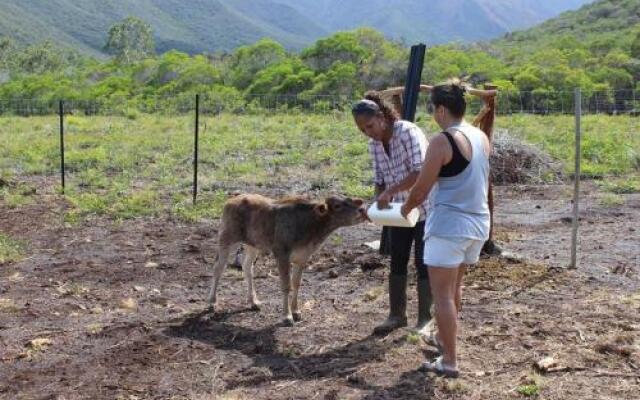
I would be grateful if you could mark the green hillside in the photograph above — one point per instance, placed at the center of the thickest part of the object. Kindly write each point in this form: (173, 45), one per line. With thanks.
(596, 48)
(200, 25)
(597, 27)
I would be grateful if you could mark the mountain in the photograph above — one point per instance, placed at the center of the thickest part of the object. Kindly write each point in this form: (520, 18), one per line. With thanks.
(193, 26)
(600, 27)
(433, 22)
(215, 25)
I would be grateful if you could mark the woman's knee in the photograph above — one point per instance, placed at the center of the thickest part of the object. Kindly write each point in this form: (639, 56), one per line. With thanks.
(442, 290)
(445, 306)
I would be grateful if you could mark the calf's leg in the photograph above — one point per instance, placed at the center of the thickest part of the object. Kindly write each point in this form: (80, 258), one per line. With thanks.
(250, 255)
(223, 256)
(296, 278)
(284, 267)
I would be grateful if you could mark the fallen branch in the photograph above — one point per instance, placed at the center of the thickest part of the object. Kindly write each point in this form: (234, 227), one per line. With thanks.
(596, 373)
(536, 282)
(601, 373)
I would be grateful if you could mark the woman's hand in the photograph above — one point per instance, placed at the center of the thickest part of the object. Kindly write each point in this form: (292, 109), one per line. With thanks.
(404, 210)
(384, 199)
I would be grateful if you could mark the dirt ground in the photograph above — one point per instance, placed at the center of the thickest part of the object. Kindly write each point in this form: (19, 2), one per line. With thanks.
(108, 310)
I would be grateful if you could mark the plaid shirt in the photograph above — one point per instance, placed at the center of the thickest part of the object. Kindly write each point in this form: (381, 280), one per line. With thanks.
(407, 149)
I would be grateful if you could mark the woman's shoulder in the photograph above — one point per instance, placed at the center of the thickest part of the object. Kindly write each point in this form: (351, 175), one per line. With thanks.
(403, 127)
(467, 127)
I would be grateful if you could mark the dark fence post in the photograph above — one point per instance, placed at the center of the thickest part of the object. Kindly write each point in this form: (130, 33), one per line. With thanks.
(61, 113)
(576, 180)
(410, 103)
(412, 85)
(195, 150)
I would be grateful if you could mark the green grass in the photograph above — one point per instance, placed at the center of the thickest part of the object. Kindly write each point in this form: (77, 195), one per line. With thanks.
(531, 385)
(611, 200)
(625, 185)
(528, 390)
(11, 250)
(610, 144)
(413, 338)
(208, 206)
(126, 167)
(15, 195)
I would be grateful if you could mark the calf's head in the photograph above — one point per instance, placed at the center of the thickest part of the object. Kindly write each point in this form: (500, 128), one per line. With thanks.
(342, 211)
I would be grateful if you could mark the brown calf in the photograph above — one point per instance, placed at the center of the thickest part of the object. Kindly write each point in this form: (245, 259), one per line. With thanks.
(291, 229)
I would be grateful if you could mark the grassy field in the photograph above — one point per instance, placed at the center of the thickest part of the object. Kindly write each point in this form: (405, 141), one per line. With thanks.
(142, 165)
(113, 307)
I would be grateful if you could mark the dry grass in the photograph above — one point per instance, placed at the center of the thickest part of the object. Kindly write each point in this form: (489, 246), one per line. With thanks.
(9, 306)
(129, 304)
(374, 293)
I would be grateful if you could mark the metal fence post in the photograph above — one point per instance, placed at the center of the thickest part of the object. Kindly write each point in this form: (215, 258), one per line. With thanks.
(576, 179)
(61, 114)
(195, 150)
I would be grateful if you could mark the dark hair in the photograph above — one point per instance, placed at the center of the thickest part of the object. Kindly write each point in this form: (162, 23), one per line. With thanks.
(450, 95)
(365, 107)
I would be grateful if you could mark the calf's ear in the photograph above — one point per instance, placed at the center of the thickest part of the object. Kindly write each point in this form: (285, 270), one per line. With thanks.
(358, 202)
(321, 209)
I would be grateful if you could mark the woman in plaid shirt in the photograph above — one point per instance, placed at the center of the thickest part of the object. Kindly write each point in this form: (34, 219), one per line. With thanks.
(398, 150)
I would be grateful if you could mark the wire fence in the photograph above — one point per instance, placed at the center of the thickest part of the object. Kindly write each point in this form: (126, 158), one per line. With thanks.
(131, 157)
(614, 102)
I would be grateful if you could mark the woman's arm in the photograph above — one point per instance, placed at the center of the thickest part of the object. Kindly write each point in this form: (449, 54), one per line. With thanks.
(407, 183)
(414, 143)
(427, 88)
(435, 159)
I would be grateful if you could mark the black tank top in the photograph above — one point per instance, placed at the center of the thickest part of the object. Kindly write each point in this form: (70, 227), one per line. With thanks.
(457, 164)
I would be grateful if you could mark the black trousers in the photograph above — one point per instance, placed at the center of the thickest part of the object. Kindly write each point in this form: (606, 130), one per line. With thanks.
(401, 241)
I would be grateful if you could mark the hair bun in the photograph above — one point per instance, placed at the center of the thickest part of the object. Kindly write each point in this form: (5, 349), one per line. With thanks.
(451, 95)
(458, 86)
(373, 96)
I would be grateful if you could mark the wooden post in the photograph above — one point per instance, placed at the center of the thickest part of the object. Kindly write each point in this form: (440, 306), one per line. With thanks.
(195, 150)
(61, 113)
(486, 125)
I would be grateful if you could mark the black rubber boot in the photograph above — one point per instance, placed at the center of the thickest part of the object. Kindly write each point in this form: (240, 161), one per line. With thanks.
(397, 306)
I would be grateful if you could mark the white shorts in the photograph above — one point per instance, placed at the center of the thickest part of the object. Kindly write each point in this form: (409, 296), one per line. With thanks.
(450, 252)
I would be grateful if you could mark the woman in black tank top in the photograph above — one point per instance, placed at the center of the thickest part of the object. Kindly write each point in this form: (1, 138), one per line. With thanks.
(446, 277)
(457, 164)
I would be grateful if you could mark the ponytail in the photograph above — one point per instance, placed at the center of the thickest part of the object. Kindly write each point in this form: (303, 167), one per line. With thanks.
(390, 114)
(450, 95)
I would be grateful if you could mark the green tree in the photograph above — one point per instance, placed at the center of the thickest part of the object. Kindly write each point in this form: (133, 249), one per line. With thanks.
(343, 47)
(635, 47)
(178, 72)
(288, 77)
(528, 78)
(341, 79)
(40, 58)
(617, 59)
(444, 62)
(7, 52)
(386, 64)
(247, 61)
(616, 78)
(130, 40)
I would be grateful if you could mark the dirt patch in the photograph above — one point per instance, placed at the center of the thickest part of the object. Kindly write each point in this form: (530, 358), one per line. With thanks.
(112, 310)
